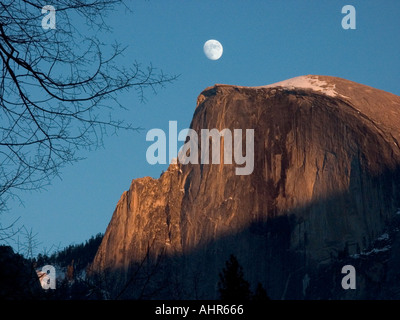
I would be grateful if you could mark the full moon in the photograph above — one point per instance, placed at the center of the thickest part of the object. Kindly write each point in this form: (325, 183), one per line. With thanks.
(213, 49)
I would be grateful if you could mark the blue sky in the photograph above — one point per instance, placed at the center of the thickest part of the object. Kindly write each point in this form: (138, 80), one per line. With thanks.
(264, 42)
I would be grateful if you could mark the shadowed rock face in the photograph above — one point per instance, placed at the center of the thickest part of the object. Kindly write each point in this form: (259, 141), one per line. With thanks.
(326, 180)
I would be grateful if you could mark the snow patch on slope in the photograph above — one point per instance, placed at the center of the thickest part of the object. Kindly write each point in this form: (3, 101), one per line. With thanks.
(307, 82)
(373, 251)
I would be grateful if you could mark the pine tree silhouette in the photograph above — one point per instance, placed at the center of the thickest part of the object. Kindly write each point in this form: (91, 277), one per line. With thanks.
(260, 294)
(232, 285)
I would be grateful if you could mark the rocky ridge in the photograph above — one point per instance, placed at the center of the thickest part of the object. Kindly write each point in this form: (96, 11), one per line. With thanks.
(325, 182)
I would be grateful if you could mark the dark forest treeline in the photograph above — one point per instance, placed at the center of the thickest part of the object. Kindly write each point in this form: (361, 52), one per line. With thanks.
(80, 255)
(19, 281)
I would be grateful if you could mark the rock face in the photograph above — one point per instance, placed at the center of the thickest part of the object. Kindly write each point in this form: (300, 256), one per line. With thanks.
(325, 185)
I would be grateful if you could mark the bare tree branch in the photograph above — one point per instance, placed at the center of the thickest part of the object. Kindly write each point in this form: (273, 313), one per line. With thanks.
(7, 233)
(55, 86)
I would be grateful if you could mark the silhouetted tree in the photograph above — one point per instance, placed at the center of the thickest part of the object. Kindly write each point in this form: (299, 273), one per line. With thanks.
(232, 285)
(260, 294)
(28, 244)
(58, 87)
